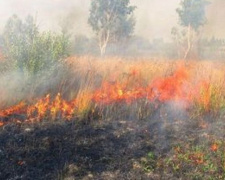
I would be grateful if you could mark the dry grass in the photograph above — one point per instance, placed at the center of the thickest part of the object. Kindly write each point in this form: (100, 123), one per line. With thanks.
(82, 77)
(118, 69)
(121, 139)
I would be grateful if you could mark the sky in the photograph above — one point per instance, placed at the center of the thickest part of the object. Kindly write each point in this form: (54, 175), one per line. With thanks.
(154, 18)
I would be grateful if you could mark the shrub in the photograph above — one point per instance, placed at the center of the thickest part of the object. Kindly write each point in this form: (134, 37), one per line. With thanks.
(30, 51)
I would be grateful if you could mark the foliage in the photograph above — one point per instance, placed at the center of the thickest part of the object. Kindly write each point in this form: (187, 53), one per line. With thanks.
(29, 50)
(192, 17)
(212, 48)
(192, 12)
(111, 20)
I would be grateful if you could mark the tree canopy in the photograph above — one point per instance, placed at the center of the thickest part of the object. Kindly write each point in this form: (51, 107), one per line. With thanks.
(192, 12)
(192, 17)
(111, 20)
(29, 50)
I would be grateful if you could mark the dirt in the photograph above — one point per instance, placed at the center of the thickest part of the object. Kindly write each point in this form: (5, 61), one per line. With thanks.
(106, 149)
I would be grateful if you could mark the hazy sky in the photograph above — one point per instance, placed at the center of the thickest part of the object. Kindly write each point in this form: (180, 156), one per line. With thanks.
(154, 18)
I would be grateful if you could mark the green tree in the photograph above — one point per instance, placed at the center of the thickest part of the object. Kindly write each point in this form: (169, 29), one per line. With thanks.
(30, 51)
(192, 16)
(111, 20)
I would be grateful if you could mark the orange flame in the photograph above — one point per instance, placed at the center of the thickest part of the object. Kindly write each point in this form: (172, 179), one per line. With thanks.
(45, 107)
(17, 109)
(214, 147)
(41, 107)
(173, 88)
(176, 87)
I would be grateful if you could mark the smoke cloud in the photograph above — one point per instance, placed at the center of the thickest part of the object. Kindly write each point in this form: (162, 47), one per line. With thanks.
(154, 19)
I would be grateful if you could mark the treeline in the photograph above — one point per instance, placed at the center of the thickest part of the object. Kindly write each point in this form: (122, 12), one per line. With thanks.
(213, 48)
(27, 49)
(206, 48)
(135, 46)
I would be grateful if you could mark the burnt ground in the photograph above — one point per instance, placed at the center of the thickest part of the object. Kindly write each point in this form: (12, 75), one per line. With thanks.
(106, 149)
(70, 150)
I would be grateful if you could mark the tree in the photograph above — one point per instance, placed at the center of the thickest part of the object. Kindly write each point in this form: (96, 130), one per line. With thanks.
(111, 20)
(30, 51)
(192, 16)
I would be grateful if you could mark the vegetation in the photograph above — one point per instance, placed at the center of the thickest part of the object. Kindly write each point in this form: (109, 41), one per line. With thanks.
(111, 20)
(78, 116)
(30, 51)
(192, 16)
(166, 137)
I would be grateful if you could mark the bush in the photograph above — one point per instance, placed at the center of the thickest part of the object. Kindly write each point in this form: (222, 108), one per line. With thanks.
(30, 51)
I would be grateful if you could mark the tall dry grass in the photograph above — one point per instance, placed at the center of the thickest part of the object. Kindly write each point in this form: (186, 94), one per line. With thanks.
(93, 71)
(81, 76)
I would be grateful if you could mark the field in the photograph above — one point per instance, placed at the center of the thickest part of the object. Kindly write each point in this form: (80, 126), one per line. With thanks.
(115, 118)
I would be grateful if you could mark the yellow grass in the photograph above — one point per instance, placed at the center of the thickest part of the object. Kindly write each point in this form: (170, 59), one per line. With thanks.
(88, 73)
(115, 68)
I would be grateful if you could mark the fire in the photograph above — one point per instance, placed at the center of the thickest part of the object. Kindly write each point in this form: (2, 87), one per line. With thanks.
(17, 109)
(214, 147)
(176, 87)
(55, 106)
(53, 109)
(41, 107)
(111, 93)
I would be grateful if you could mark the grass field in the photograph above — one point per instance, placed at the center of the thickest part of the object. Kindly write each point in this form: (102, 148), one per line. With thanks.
(115, 118)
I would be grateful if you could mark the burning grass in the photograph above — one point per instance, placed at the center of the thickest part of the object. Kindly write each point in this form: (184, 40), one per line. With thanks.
(176, 107)
(122, 87)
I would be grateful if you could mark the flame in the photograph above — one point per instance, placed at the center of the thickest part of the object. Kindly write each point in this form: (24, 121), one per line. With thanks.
(214, 147)
(172, 88)
(68, 109)
(40, 107)
(56, 108)
(17, 109)
(176, 87)
(111, 93)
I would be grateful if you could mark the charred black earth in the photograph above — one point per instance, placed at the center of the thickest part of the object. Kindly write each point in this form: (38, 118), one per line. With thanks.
(106, 149)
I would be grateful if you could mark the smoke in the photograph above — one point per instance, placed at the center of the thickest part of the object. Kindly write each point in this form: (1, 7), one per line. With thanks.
(215, 23)
(163, 120)
(154, 19)
(12, 87)
(16, 86)
(50, 14)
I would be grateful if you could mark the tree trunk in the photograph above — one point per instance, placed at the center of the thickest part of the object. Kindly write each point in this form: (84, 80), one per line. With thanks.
(188, 42)
(102, 50)
(103, 41)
